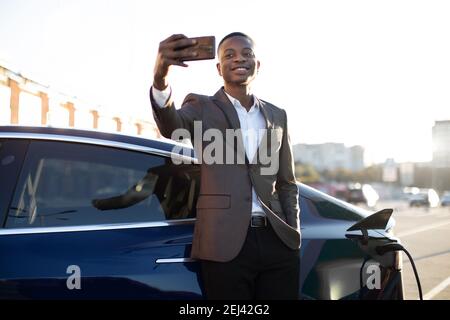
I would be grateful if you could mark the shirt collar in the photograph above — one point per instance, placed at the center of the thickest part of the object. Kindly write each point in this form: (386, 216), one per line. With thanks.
(238, 106)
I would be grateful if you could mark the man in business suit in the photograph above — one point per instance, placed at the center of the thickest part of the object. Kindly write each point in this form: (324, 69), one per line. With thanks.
(247, 233)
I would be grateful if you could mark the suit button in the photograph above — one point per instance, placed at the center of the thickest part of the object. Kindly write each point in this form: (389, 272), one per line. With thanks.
(248, 199)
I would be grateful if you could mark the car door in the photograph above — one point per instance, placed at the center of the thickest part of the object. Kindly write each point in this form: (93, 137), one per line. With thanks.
(93, 221)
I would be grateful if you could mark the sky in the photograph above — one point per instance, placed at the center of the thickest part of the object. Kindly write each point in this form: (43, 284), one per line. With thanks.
(370, 73)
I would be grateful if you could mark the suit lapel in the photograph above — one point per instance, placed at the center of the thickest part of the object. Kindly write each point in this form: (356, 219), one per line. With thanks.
(221, 100)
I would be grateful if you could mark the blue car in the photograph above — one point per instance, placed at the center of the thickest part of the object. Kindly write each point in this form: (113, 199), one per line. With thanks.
(92, 215)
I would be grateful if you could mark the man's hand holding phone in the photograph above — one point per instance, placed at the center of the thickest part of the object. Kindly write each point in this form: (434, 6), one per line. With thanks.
(177, 49)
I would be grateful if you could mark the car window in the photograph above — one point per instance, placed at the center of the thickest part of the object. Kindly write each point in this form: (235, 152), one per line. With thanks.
(12, 152)
(70, 184)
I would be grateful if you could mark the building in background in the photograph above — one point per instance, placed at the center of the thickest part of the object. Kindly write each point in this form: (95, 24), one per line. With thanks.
(441, 144)
(441, 155)
(330, 156)
(24, 101)
(406, 172)
(390, 169)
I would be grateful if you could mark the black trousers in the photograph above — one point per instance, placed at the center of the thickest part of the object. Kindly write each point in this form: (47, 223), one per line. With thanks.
(265, 269)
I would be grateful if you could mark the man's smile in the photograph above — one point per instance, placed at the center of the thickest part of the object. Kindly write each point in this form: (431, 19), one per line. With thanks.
(241, 68)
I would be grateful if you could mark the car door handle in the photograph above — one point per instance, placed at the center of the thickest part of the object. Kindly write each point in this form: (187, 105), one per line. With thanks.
(175, 260)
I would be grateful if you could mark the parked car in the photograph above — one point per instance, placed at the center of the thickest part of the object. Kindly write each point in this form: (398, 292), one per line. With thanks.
(91, 215)
(362, 194)
(424, 198)
(445, 199)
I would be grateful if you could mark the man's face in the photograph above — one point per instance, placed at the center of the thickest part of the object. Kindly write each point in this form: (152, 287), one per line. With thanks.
(237, 62)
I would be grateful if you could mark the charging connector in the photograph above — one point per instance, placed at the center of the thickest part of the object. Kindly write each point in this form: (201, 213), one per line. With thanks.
(395, 246)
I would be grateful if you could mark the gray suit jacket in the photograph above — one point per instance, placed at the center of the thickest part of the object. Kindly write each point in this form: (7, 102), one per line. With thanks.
(225, 200)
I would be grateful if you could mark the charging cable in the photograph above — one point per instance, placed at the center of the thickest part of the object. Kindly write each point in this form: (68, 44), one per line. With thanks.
(394, 246)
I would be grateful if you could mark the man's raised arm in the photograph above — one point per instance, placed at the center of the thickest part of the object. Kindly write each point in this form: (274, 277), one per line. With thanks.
(171, 52)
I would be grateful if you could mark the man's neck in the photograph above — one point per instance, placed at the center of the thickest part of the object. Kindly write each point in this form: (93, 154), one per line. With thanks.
(241, 93)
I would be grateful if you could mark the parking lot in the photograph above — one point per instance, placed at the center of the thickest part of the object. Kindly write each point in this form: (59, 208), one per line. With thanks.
(425, 233)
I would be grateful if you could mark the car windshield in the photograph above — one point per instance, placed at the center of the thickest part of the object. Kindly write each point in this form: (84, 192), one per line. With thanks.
(333, 208)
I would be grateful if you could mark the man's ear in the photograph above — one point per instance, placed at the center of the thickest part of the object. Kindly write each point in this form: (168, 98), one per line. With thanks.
(258, 64)
(218, 68)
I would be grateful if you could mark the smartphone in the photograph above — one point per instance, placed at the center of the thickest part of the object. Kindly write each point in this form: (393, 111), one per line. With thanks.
(205, 47)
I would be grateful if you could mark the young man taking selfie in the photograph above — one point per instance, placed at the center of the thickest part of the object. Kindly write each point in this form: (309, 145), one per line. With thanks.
(247, 231)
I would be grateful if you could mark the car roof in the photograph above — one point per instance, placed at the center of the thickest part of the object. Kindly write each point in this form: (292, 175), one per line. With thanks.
(108, 139)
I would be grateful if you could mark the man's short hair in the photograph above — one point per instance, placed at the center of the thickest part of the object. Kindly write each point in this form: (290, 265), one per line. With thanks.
(235, 34)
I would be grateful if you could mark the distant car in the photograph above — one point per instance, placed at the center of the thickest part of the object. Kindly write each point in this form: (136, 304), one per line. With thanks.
(91, 215)
(424, 198)
(445, 199)
(364, 194)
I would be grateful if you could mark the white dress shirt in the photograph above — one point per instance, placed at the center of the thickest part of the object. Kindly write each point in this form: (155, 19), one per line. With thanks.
(252, 124)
